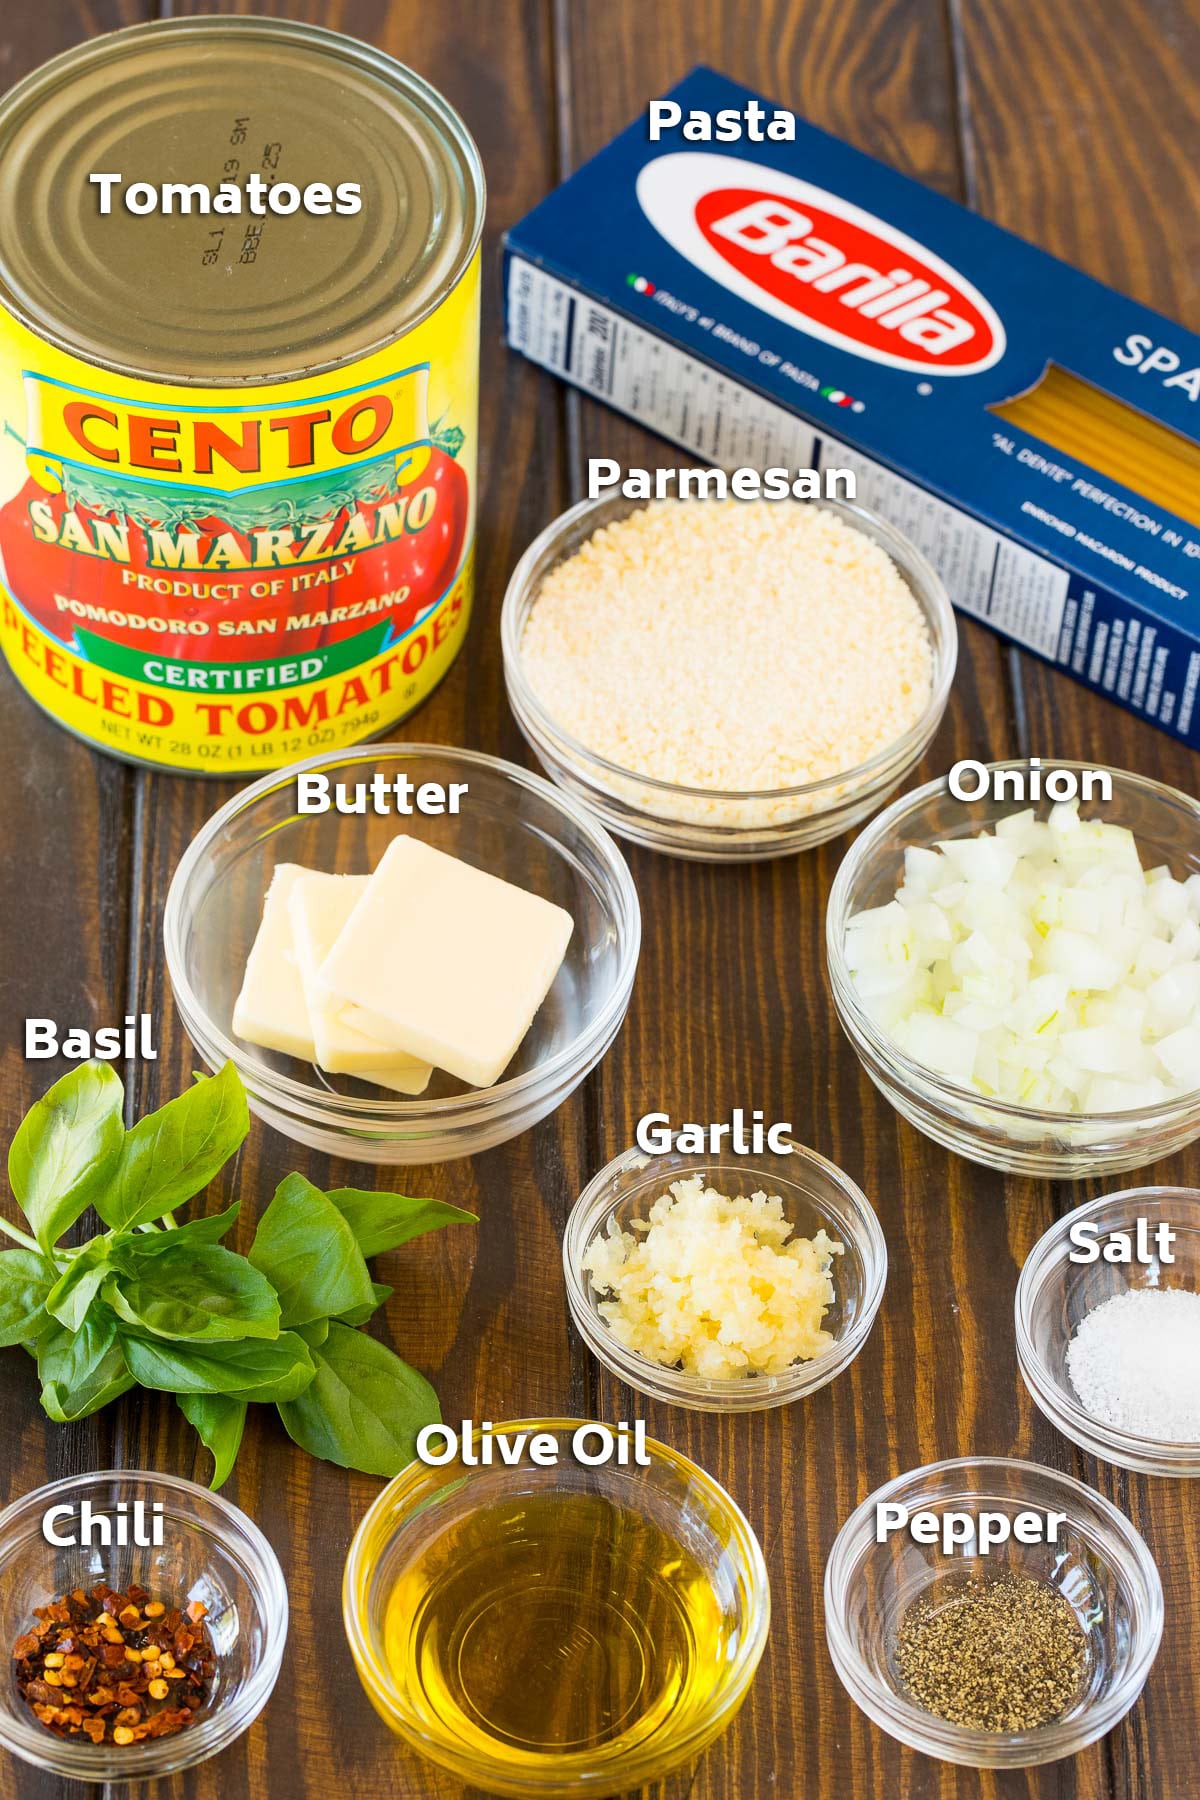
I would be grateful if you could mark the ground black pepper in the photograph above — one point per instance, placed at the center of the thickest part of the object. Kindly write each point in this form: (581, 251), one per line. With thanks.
(1005, 1653)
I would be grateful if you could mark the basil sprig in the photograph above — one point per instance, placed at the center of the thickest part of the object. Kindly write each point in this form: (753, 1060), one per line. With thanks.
(165, 1305)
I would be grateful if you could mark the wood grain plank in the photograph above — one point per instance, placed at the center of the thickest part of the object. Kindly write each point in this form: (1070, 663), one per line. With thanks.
(1101, 169)
(64, 897)
(1093, 151)
(473, 1308)
(731, 1005)
(938, 1376)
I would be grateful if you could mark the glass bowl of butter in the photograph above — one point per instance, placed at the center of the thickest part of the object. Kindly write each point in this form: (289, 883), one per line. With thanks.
(410, 952)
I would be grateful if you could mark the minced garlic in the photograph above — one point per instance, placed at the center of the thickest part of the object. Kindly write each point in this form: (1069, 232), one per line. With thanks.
(715, 1285)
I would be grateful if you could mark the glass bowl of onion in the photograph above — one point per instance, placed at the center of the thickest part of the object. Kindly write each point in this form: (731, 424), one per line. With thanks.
(1021, 980)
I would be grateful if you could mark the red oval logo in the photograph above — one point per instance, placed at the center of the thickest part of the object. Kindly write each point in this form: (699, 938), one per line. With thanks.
(844, 278)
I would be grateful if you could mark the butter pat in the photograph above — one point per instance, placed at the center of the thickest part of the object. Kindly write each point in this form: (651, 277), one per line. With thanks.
(446, 961)
(270, 1009)
(319, 906)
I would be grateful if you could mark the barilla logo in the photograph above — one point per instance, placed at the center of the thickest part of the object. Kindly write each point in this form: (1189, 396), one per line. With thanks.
(820, 264)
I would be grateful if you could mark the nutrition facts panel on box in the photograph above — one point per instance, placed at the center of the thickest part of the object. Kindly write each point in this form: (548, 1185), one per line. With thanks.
(663, 388)
(987, 575)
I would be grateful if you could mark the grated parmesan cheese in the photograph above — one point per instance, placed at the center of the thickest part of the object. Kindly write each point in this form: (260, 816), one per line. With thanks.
(715, 1285)
(730, 645)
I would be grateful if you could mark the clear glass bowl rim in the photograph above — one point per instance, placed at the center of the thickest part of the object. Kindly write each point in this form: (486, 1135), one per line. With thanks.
(161, 1756)
(933, 598)
(923, 1730)
(388, 1508)
(859, 1025)
(727, 1392)
(466, 1108)
(1040, 1267)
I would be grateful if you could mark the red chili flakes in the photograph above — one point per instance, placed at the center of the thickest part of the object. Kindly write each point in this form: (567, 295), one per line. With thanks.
(83, 1673)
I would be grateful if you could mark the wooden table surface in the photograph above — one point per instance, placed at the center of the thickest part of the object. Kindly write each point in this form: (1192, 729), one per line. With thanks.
(1077, 126)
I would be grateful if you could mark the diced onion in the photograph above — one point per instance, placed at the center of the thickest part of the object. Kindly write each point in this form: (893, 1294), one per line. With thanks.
(1039, 964)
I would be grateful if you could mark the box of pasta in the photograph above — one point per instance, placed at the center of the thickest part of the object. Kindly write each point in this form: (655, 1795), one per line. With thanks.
(765, 295)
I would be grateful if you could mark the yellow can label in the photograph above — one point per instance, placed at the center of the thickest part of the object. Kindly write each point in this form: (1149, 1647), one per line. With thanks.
(221, 581)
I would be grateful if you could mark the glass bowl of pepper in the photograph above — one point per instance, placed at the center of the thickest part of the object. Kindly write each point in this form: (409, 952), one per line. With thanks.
(992, 1613)
(134, 1659)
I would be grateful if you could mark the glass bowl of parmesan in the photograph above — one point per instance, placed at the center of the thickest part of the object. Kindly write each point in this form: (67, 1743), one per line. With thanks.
(724, 1283)
(723, 679)
(1108, 1328)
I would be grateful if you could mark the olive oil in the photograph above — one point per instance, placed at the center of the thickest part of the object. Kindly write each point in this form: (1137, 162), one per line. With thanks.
(552, 1628)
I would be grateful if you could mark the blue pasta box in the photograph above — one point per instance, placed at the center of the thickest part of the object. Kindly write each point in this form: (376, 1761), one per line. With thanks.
(765, 295)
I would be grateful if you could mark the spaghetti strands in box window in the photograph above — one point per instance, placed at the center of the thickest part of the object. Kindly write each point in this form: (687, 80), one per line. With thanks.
(774, 298)
(238, 390)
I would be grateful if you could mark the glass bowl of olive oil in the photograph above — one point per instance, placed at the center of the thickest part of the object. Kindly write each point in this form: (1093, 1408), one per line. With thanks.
(545, 1628)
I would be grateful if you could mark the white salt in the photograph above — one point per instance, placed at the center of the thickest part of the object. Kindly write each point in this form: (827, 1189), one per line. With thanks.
(1134, 1362)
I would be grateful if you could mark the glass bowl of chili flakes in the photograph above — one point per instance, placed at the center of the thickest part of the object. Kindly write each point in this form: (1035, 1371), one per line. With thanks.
(131, 1661)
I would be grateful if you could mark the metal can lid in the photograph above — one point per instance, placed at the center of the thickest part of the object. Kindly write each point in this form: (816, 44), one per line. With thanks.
(231, 299)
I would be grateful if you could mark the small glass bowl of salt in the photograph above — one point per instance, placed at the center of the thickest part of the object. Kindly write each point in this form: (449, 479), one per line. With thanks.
(1110, 1349)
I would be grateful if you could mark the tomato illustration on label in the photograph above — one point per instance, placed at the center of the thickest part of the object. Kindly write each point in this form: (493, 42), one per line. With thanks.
(33, 569)
(422, 563)
(268, 575)
(221, 579)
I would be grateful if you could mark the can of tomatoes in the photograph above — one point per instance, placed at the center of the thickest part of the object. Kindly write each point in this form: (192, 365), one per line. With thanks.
(239, 366)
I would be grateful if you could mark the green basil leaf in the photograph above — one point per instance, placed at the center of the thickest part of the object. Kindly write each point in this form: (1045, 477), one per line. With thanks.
(358, 1315)
(67, 1407)
(308, 1253)
(220, 1422)
(72, 1294)
(67, 1356)
(198, 1291)
(252, 1369)
(25, 1280)
(363, 1408)
(66, 1149)
(83, 1370)
(43, 1330)
(130, 1246)
(383, 1221)
(171, 1154)
(314, 1333)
